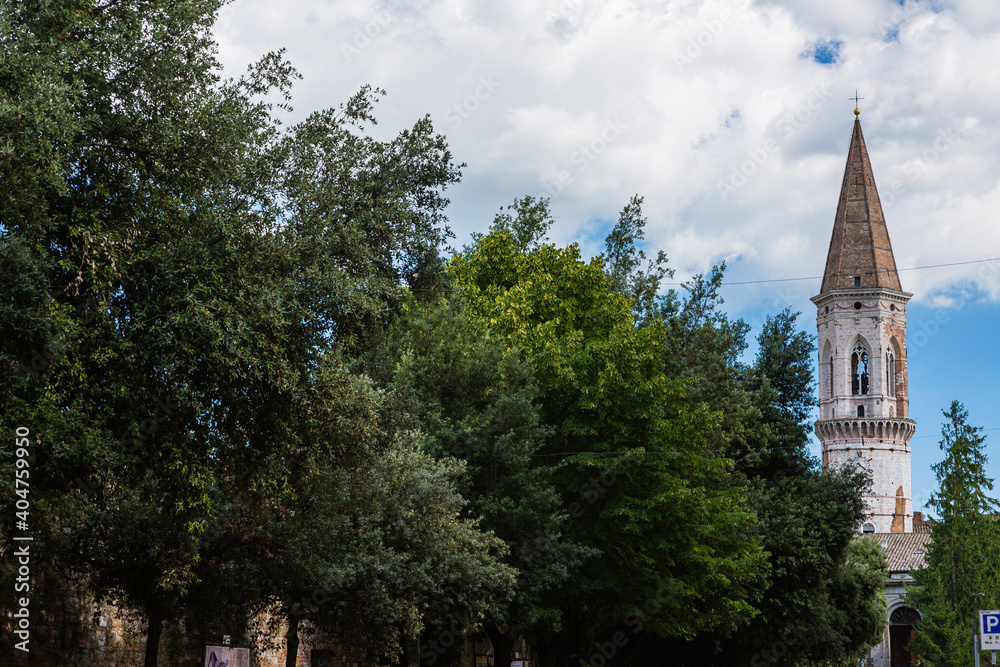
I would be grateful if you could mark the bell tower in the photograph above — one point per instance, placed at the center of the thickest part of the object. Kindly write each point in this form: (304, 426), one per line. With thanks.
(861, 319)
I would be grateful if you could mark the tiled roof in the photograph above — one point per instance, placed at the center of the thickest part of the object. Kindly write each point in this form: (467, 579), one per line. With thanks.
(920, 524)
(904, 551)
(860, 246)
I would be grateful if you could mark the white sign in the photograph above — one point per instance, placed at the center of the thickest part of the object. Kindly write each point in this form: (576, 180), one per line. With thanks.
(989, 630)
(226, 656)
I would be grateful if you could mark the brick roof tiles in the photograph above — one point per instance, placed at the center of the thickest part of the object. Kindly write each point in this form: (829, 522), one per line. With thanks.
(904, 551)
(860, 244)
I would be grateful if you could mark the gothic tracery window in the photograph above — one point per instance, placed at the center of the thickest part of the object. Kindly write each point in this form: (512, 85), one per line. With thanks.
(859, 371)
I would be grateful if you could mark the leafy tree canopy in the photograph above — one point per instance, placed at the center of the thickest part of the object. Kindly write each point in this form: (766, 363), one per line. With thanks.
(640, 483)
(186, 280)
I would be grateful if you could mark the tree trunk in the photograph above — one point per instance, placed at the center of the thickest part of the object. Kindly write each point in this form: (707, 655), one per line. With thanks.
(412, 652)
(503, 645)
(634, 647)
(954, 582)
(292, 641)
(153, 632)
(552, 654)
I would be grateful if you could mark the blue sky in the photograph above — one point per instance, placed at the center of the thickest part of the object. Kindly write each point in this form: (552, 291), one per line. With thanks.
(960, 362)
(731, 118)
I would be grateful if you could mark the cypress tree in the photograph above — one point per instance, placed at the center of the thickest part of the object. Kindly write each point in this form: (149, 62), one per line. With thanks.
(964, 548)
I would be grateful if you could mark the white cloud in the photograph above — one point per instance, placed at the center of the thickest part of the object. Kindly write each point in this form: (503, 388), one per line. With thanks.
(700, 92)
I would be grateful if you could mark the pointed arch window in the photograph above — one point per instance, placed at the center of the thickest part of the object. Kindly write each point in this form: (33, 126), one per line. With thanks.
(890, 373)
(859, 371)
(831, 377)
(826, 369)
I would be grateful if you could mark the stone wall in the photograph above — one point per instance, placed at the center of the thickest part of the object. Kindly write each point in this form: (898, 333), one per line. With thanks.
(77, 632)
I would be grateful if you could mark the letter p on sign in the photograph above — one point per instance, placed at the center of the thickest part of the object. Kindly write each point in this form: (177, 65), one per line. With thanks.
(989, 630)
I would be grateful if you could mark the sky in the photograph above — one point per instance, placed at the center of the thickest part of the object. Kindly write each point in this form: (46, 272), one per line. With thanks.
(730, 117)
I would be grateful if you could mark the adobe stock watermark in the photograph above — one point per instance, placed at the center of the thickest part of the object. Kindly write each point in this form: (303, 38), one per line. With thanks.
(434, 648)
(712, 29)
(364, 35)
(592, 490)
(603, 653)
(584, 156)
(918, 165)
(42, 360)
(902, 11)
(779, 648)
(459, 112)
(310, 603)
(133, 440)
(566, 10)
(22, 512)
(786, 126)
(928, 328)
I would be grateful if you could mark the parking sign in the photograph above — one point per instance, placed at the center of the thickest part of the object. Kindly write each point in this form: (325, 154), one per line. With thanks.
(989, 630)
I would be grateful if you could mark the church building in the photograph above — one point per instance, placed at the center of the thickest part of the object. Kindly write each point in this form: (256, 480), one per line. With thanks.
(863, 404)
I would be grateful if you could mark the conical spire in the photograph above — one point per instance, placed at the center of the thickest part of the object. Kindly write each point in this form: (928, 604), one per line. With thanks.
(860, 252)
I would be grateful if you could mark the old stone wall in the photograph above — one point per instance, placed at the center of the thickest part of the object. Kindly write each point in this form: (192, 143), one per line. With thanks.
(77, 632)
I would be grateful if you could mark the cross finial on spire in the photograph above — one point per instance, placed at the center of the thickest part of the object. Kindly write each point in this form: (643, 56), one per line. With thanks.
(857, 107)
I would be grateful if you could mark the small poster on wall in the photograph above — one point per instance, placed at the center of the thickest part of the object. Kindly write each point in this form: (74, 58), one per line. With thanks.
(226, 656)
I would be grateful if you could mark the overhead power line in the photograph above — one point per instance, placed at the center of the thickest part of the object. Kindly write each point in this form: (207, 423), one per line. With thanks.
(718, 452)
(762, 281)
(938, 436)
(910, 268)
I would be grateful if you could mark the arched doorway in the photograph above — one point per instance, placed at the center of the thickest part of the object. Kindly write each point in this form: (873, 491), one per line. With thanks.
(902, 621)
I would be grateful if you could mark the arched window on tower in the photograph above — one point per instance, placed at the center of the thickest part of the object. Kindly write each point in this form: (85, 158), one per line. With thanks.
(826, 369)
(831, 377)
(890, 373)
(859, 371)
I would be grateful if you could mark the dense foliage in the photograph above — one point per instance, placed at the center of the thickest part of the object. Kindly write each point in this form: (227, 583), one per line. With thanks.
(636, 473)
(251, 377)
(185, 280)
(964, 548)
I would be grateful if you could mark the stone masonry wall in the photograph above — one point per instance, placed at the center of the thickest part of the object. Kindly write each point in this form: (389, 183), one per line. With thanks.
(77, 632)
(879, 439)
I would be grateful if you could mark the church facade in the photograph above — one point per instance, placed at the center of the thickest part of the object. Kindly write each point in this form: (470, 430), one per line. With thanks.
(864, 408)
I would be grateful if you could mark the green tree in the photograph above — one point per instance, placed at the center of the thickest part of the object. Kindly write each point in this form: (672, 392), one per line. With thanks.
(188, 279)
(527, 221)
(964, 548)
(817, 602)
(806, 520)
(474, 400)
(639, 481)
(623, 263)
(784, 357)
(858, 601)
